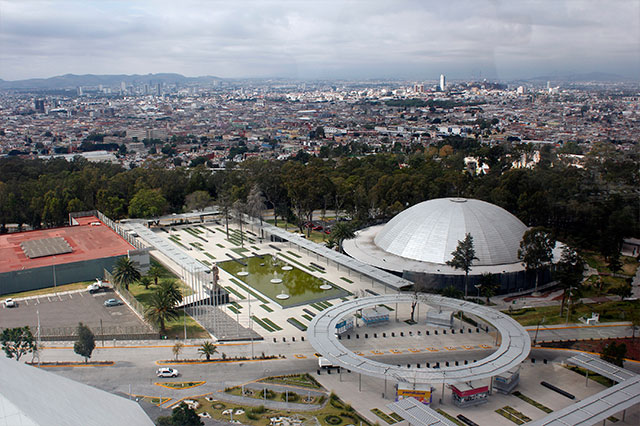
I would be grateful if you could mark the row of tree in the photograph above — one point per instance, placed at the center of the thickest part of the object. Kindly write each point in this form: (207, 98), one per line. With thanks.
(594, 206)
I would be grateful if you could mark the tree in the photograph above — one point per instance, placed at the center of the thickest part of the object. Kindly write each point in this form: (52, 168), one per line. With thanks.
(463, 257)
(569, 271)
(182, 415)
(488, 286)
(240, 208)
(225, 203)
(177, 349)
(86, 342)
(615, 264)
(17, 342)
(155, 272)
(147, 203)
(171, 289)
(342, 231)
(125, 272)
(623, 291)
(614, 353)
(162, 307)
(536, 250)
(452, 292)
(207, 349)
(255, 202)
(198, 200)
(145, 281)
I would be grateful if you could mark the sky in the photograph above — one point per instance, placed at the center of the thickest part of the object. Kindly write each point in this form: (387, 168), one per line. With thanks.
(367, 39)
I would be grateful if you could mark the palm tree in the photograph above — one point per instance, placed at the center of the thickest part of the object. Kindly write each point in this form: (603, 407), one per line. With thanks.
(161, 308)
(145, 281)
(125, 272)
(207, 349)
(177, 348)
(171, 290)
(488, 286)
(155, 272)
(342, 231)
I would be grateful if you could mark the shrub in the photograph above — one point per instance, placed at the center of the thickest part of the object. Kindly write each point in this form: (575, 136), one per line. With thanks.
(333, 420)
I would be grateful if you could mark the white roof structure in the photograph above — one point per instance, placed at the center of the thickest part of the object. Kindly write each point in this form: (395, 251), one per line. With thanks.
(30, 396)
(514, 347)
(418, 414)
(603, 368)
(422, 237)
(430, 231)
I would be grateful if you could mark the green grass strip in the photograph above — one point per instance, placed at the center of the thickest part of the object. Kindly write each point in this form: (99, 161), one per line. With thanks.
(239, 250)
(296, 323)
(248, 290)
(236, 293)
(196, 246)
(378, 412)
(509, 416)
(396, 416)
(219, 245)
(294, 254)
(307, 317)
(317, 307)
(266, 308)
(237, 305)
(209, 255)
(346, 279)
(262, 323)
(532, 402)
(272, 324)
(255, 248)
(450, 417)
(206, 262)
(233, 309)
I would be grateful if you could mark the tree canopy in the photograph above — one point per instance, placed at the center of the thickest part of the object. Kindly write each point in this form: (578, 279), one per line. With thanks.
(463, 257)
(86, 342)
(17, 342)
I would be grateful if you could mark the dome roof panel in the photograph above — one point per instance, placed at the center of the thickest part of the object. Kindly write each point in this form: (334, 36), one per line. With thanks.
(430, 231)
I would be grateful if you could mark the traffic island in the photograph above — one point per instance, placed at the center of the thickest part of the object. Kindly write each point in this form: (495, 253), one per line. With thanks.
(72, 364)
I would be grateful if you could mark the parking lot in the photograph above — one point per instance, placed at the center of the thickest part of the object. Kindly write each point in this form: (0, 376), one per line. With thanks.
(64, 311)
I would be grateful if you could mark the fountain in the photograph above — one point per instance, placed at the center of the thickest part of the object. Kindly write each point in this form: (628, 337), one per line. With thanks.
(326, 286)
(287, 268)
(282, 296)
(275, 279)
(243, 273)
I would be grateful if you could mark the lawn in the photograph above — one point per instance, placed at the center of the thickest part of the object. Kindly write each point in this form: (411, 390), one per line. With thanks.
(334, 413)
(175, 327)
(301, 287)
(49, 290)
(597, 261)
(609, 312)
(316, 236)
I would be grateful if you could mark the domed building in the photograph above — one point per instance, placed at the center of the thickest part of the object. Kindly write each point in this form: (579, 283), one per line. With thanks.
(419, 241)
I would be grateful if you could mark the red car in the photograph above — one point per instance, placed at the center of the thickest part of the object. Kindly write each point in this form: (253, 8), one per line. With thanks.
(317, 228)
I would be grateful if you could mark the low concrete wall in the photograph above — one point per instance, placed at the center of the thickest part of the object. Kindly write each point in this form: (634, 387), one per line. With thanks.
(37, 278)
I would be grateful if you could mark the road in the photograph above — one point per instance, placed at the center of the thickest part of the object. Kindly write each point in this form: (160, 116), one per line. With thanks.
(135, 362)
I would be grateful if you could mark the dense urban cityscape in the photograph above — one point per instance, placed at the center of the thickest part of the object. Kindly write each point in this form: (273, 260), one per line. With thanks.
(303, 213)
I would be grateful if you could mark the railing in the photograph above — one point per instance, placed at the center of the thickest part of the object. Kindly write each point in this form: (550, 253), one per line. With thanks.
(131, 300)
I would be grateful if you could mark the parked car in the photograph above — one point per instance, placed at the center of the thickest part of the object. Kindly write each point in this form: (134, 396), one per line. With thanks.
(317, 228)
(10, 303)
(167, 372)
(112, 302)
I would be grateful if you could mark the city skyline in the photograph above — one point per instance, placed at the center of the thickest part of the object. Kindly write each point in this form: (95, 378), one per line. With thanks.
(320, 40)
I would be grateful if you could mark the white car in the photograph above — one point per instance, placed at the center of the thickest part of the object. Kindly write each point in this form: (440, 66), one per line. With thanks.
(167, 372)
(10, 303)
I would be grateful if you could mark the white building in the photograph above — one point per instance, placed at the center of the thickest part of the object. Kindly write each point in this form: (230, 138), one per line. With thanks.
(443, 82)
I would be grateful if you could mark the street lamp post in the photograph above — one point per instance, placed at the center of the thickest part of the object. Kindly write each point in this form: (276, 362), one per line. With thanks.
(535, 338)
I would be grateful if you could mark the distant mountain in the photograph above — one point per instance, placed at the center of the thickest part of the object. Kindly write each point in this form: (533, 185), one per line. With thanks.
(71, 81)
(592, 76)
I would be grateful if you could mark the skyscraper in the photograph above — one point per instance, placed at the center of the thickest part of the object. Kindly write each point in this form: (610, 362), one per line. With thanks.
(443, 82)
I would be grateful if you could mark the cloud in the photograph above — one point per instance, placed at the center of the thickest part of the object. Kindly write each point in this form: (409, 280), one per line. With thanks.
(318, 39)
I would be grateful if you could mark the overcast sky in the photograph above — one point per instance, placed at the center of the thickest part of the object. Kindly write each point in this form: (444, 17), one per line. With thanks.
(502, 39)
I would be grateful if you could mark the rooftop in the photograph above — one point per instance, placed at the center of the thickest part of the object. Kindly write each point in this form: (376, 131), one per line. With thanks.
(90, 239)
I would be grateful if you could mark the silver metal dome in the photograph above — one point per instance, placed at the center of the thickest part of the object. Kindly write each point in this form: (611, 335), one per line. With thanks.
(430, 231)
